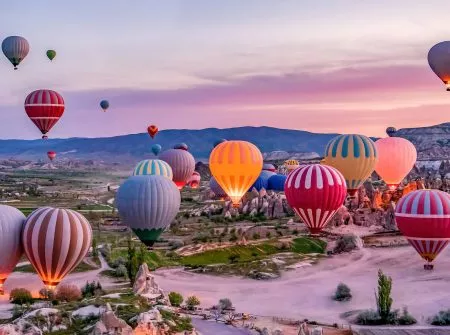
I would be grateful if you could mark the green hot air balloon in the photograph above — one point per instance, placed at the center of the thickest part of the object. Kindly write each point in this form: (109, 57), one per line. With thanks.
(51, 54)
(148, 204)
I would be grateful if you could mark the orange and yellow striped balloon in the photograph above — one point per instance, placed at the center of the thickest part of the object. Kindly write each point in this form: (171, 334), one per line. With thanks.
(235, 165)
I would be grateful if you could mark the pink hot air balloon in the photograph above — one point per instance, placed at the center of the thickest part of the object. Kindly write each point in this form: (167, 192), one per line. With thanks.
(315, 192)
(396, 157)
(423, 217)
(194, 181)
(182, 164)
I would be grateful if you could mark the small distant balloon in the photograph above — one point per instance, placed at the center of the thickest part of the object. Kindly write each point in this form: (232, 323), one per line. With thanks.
(51, 155)
(390, 131)
(51, 54)
(152, 130)
(216, 143)
(15, 48)
(182, 146)
(439, 61)
(104, 104)
(156, 149)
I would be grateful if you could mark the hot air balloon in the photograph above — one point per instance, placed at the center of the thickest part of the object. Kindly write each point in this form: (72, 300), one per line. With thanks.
(235, 165)
(182, 164)
(396, 158)
(216, 189)
(216, 143)
(182, 146)
(439, 61)
(291, 165)
(55, 241)
(104, 104)
(148, 204)
(194, 181)
(51, 155)
(152, 130)
(15, 48)
(423, 217)
(44, 108)
(354, 156)
(269, 167)
(390, 131)
(51, 54)
(276, 182)
(262, 182)
(315, 192)
(153, 167)
(156, 149)
(11, 225)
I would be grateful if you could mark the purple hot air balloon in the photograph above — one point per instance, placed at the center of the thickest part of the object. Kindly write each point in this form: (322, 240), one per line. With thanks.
(182, 164)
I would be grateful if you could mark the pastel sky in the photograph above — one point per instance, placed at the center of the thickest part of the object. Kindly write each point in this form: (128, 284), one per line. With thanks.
(322, 66)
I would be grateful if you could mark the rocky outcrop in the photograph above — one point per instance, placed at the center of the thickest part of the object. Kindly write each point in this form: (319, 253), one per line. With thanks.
(145, 285)
(22, 327)
(110, 324)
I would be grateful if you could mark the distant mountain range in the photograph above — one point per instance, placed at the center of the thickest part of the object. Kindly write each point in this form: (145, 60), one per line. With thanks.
(432, 143)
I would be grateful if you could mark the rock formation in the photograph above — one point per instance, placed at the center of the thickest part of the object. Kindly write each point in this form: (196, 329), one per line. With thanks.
(110, 324)
(145, 284)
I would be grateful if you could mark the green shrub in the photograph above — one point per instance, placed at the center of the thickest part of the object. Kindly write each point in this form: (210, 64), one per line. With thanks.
(342, 293)
(21, 296)
(120, 271)
(234, 258)
(441, 319)
(369, 318)
(406, 318)
(192, 302)
(175, 298)
(225, 303)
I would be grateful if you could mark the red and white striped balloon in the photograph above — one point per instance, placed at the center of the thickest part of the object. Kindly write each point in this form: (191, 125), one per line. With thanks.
(423, 217)
(315, 192)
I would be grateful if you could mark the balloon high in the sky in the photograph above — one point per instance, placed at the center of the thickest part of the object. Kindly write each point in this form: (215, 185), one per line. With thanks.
(51, 54)
(354, 156)
(315, 192)
(439, 61)
(15, 48)
(104, 104)
(396, 158)
(182, 164)
(11, 225)
(235, 165)
(44, 108)
(156, 149)
(51, 155)
(55, 241)
(423, 217)
(390, 131)
(148, 204)
(194, 181)
(152, 130)
(153, 167)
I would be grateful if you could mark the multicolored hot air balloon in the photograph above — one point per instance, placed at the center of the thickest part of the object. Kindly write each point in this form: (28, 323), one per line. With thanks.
(153, 167)
(182, 164)
(315, 192)
(152, 130)
(156, 149)
(55, 241)
(291, 165)
(269, 167)
(423, 217)
(51, 155)
(11, 225)
(51, 54)
(148, 204)
(262, 182)
(104, 104)
(15, 48)
(396, 158)
(354, 156)
(439, 61)
(216, 143)
(194, 181)
(235, 165)
(44, 108)
(276, 182)
(216, 189)
(390, 131)
(182, 146)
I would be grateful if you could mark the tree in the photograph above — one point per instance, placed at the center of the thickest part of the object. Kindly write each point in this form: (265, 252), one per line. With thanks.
(68, 292)
(132, 263)
(233, 258)
(94, 247)
(383, 297)
(192, 302)
(225, 303)
(21, 296)
(343, 293)
(176, 299)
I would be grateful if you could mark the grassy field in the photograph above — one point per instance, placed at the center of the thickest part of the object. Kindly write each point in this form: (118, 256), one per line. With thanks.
(82, 267)
(248, 253)
(154, 259)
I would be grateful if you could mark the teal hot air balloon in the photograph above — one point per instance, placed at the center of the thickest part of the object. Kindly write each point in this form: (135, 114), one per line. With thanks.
(148, 204)
(153, 167)
(156, 149)
(104, 104)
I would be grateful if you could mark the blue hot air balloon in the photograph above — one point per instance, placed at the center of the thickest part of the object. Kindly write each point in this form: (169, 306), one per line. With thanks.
(15, 48)
(156, 149)
(104, 104)
(262, 181)
(276, 182)
(148, 204)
